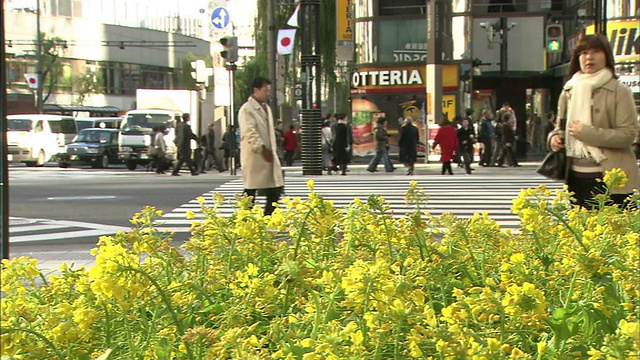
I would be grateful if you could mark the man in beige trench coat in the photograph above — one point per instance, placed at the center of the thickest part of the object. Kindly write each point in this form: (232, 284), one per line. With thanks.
(261, 169)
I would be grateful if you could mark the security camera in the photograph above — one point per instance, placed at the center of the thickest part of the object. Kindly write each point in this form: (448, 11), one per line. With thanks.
(484, 25)
(511, 25)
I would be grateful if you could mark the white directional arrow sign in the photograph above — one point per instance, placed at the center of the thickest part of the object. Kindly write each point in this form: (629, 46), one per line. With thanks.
(220, 18)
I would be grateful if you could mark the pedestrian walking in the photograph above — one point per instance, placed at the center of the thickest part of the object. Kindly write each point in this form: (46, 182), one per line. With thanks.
(290, 145)
(382, 148)
(261, 168)
(327, 147)
(210, 155)
(466, 139)
(408, 144)
(597, 122)
(487, 138)
(279, 139)
(342, 144)
(160, 149)
(447, 139)
(184, 135)
(508, 143)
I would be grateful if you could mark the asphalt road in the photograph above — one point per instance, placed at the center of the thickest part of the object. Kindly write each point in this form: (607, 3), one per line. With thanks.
(101, 196)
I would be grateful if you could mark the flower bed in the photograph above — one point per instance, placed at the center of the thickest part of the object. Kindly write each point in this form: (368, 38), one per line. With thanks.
(348, 283)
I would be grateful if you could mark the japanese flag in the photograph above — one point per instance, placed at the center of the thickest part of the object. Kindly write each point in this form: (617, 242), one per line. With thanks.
(32, 80)
(293, 20)
(285, 41)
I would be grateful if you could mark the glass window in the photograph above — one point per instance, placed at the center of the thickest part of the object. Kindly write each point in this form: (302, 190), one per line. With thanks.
(63, 126)
(461, 37)
(403, 40)
(460, 6)
(19, 124)
(363, 8)
(64, 8)
(402, 7)
(364, 42)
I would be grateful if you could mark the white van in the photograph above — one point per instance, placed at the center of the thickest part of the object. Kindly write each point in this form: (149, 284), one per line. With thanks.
(36, 138)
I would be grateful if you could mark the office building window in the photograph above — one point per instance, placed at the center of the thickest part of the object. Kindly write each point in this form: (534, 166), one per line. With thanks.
(403, 41)
(365, 52)
(363, 9)
(402, 7)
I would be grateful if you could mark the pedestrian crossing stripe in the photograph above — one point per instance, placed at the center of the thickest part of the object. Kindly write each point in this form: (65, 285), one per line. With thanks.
(24, 230)
(460, 196)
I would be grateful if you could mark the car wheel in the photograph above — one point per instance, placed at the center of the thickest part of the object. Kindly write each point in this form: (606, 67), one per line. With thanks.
(41, 159)
(30, 163)
(131, 165)
(63, 165)
(104, 161)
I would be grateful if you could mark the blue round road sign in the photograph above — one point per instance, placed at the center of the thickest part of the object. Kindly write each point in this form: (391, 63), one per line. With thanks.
(220, 18)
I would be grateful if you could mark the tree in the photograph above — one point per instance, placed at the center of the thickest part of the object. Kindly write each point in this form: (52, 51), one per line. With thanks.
(52, 67)
(327, 41)
(244, 77)
(86, 84)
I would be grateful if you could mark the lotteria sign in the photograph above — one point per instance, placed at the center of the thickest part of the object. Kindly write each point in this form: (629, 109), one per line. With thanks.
(405, 79)
(385, 80)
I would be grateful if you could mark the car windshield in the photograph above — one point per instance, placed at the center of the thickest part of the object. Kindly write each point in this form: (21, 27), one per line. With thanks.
(93, 136)
(84, 124)
(63, 126)
(19, 124)
(146, 121)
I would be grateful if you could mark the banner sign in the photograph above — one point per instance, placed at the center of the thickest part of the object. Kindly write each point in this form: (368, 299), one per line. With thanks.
(344, 31)
(624, 36)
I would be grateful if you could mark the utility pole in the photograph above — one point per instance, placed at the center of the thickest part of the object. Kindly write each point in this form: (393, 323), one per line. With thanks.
(504, 55)
(272, 58)
(38, 59)
(4, 163)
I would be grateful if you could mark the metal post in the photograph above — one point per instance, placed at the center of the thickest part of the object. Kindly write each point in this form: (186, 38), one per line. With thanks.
(310, 62)
(232, 120)
(4, 163)
(273, 38)
(504, 56)
(38, 59)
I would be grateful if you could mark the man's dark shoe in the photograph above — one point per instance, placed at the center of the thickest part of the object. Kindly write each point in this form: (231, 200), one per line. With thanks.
(175, 174)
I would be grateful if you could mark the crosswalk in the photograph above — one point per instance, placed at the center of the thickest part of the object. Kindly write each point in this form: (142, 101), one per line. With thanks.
(462, 196)
(25, 230)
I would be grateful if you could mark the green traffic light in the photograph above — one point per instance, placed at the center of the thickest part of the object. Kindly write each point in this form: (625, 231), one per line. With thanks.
(553, 45)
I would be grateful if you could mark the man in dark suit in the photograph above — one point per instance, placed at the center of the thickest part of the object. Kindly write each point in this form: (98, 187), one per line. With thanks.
(184, 135)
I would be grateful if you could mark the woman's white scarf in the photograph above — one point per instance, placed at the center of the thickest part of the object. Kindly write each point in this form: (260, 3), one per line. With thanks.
(579, 108)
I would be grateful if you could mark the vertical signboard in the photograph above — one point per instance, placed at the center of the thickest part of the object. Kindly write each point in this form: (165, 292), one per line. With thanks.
(344, 31)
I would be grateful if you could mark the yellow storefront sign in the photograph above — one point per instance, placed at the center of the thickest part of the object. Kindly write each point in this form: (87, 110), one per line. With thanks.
(410, 78)
(449, 105)
(624, 36)
(344, 21)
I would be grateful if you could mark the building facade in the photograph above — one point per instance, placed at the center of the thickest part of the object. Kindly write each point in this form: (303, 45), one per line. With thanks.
(492, 52)
(124, 58)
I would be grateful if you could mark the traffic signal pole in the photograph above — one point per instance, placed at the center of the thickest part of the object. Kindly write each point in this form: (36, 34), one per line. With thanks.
(4, 163)
(231, 68)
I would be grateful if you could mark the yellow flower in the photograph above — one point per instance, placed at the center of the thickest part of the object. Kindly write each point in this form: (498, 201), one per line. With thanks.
(190, 215)
(493, 344)
(310, 184)
(615, 178)
(357, 338)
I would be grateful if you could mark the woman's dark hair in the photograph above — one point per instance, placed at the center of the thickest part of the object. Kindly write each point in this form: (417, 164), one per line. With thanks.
(599, 42)
(327, 123)
(381, 120)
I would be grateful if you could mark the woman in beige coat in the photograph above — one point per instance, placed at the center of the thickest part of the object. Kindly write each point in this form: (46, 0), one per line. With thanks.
(261, 169)
(600, 119)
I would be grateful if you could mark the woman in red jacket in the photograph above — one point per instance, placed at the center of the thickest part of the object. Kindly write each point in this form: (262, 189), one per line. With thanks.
(290, 145)
(448, 141)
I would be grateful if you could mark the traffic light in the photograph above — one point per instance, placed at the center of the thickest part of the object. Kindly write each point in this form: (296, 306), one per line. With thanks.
(554, 38)
(230, 52)
(200, 71)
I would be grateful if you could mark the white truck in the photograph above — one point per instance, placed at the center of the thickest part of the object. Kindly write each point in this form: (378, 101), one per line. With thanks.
(156, 108)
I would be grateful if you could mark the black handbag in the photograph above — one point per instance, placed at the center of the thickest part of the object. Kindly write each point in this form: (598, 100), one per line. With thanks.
(554, 165)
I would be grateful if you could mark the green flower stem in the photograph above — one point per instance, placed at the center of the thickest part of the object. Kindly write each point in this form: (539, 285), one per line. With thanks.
(318, 316)
(564, 222)
(5, 330)
(285, 304)
(570, 292)
(107, 325)
(166, 301)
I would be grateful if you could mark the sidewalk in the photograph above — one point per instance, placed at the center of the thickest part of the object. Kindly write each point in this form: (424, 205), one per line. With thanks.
(50, 261)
